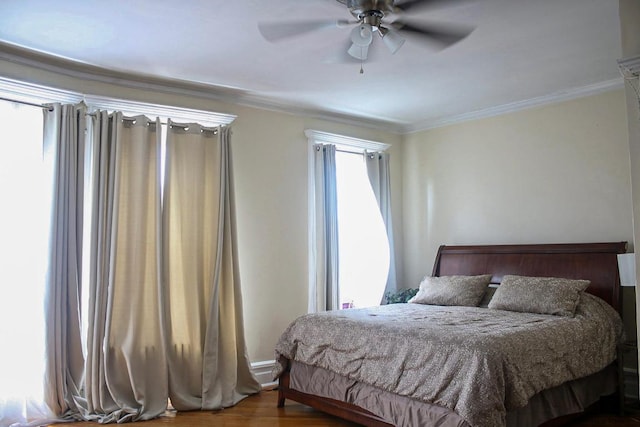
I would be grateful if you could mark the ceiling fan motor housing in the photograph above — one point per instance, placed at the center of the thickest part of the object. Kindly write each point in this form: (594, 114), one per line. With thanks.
(372, 10)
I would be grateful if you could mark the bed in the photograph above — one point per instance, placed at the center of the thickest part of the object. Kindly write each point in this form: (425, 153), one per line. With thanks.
(342, 389)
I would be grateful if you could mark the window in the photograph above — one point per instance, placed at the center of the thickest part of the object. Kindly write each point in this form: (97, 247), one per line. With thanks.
(24, 227)
(25, 190)
(350, 225)
(362, 237)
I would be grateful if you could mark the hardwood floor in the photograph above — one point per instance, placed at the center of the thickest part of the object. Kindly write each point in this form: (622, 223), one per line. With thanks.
(260, 411)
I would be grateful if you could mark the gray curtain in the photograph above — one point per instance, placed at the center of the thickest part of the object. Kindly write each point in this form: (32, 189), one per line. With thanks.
(64, 138)
(208, 363)
(126, 367)
(379, 177)
(324, 287)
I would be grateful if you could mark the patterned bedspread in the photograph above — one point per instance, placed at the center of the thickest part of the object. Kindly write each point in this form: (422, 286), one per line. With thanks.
(475, 361)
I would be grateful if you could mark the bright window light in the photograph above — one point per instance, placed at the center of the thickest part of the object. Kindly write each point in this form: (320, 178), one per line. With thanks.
(362, 237)
(24, 227)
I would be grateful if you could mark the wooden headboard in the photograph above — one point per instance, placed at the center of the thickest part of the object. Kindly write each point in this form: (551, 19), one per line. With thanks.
(597, 262)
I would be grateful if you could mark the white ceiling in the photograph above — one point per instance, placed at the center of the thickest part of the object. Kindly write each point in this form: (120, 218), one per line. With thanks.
(521, 50)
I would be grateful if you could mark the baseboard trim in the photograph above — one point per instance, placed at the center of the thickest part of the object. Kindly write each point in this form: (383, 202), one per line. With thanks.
(262, 371)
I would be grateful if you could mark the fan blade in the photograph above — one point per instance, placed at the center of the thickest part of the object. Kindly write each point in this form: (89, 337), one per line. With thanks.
(277, 31)
(441, 34)
(411, 5)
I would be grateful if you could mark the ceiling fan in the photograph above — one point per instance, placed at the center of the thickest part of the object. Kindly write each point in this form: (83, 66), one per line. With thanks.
(371, 17)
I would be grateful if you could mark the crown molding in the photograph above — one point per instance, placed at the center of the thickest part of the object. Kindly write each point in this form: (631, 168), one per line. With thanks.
(235, 96)
(37, 94)
(553, 98)
(224, 94)
(319, 137)
(164, 112)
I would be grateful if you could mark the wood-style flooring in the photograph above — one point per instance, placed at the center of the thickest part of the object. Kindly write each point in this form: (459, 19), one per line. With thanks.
(260, 411)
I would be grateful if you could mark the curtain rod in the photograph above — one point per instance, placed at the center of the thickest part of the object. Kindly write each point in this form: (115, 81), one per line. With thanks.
(343, 149)
(44, 107)
(49, 108)
(183, 126)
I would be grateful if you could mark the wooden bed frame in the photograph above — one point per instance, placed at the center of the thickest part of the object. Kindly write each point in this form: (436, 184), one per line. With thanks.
(596, 262)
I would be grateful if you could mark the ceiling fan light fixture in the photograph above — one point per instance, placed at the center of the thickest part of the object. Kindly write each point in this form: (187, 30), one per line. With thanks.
(362, 35)
(391, 39)
(358, 52)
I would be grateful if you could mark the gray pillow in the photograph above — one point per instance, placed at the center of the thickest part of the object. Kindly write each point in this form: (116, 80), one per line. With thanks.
(543, 295)
(452, 290)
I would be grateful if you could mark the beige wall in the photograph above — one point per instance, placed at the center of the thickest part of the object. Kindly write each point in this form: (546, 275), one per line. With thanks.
(558, 173)
(270, 171)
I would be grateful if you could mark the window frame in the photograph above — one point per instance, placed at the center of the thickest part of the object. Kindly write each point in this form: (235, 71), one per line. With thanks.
(342, 143)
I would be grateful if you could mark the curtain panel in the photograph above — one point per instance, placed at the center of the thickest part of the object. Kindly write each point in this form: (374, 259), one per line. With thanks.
(379, 177)
(323, 287)
(208, 362)
(63, 147)
(126, 371)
